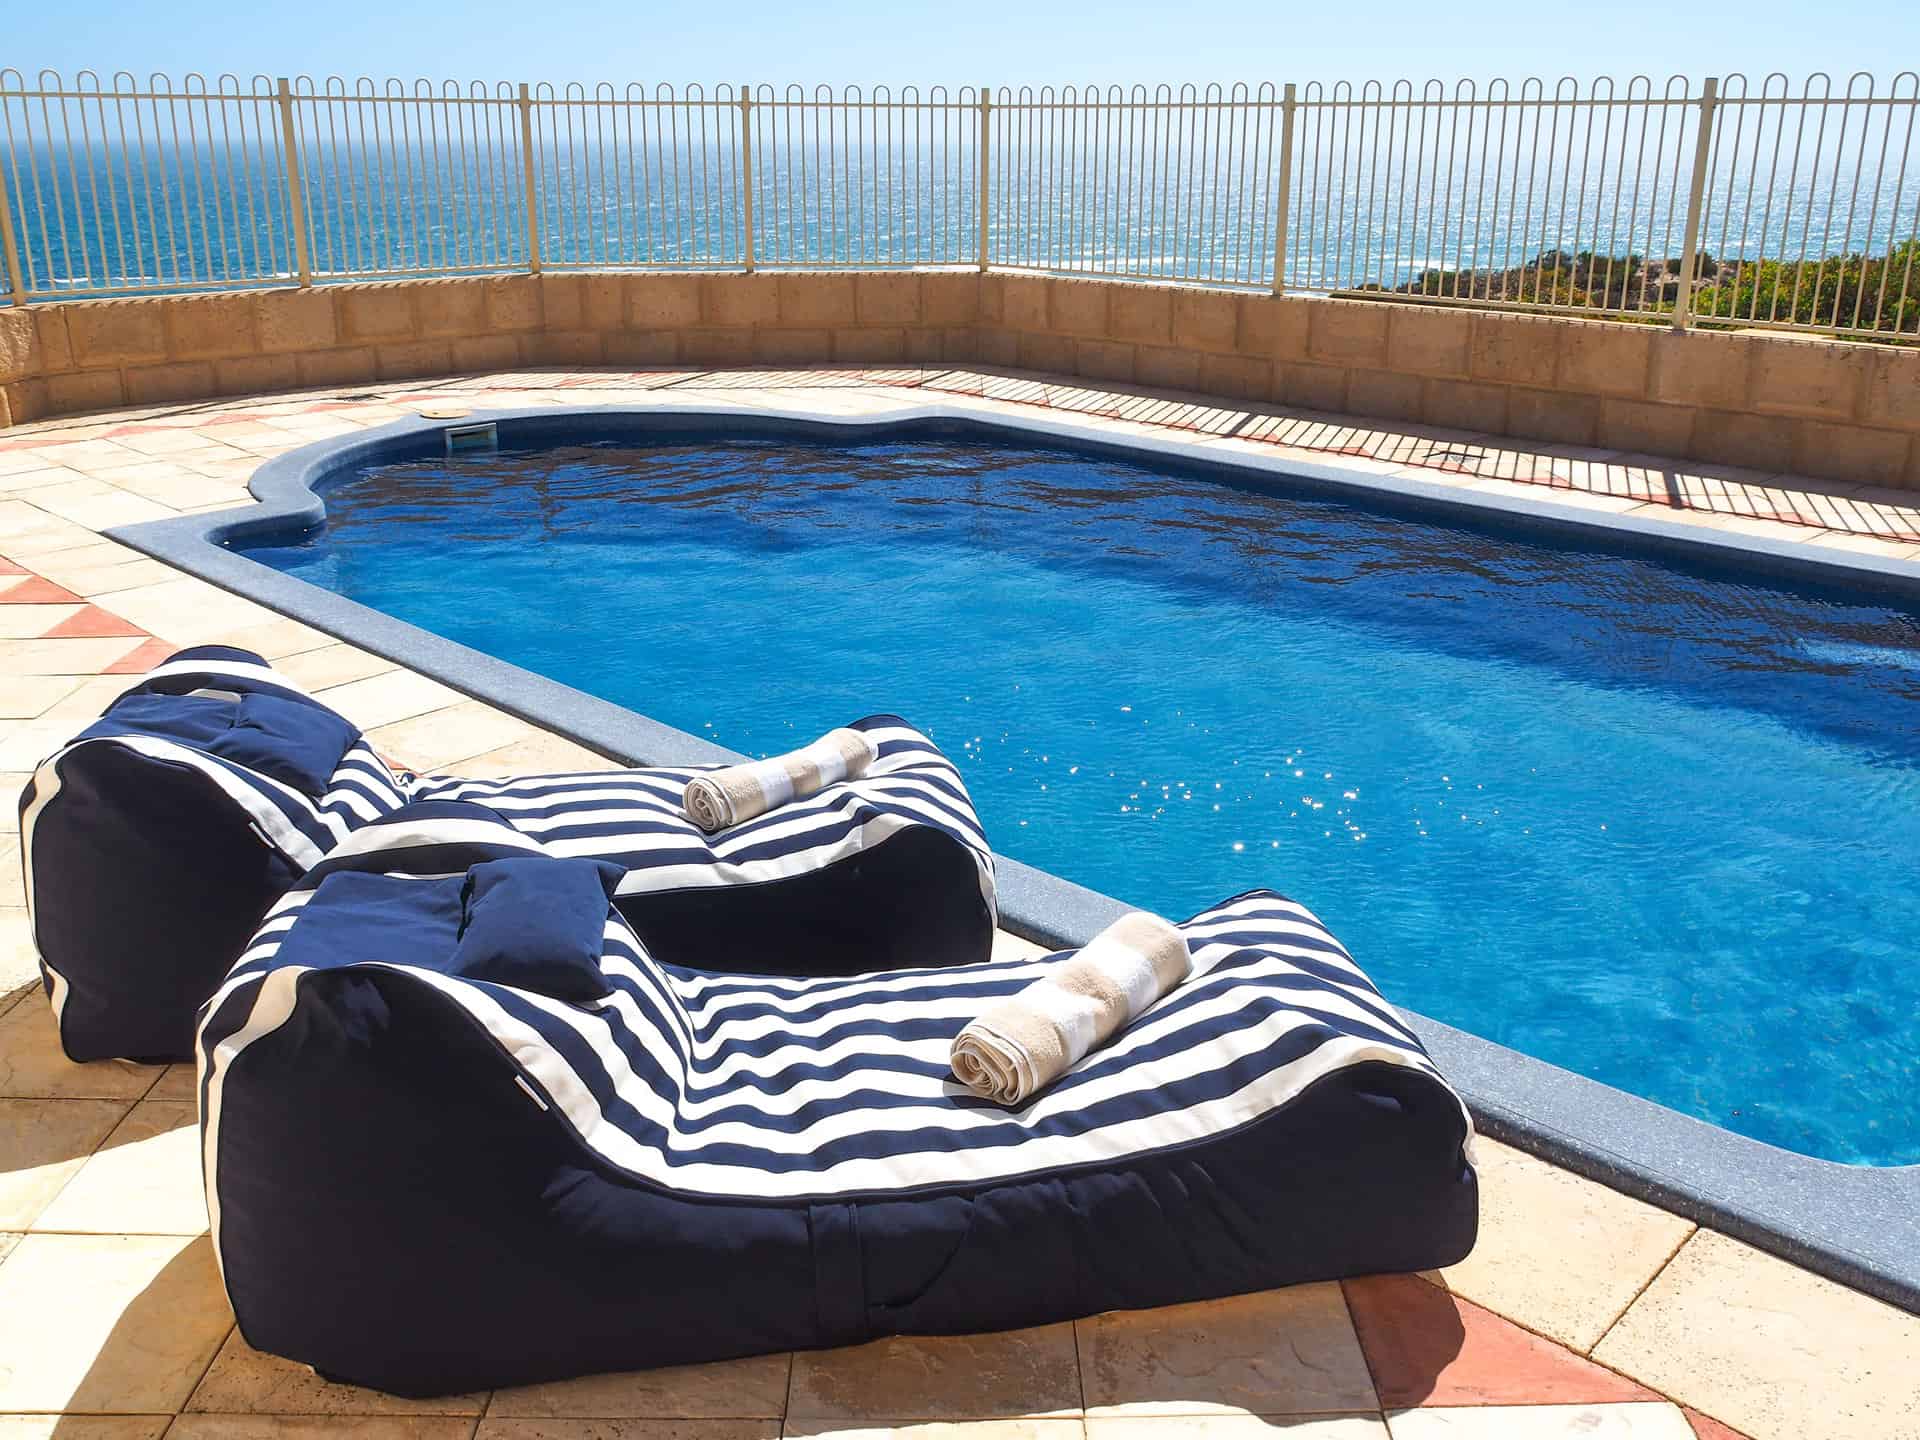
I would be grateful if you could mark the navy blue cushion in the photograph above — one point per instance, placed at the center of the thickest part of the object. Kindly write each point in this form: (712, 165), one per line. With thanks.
(537, 923)
(295, 742)
(355, 917)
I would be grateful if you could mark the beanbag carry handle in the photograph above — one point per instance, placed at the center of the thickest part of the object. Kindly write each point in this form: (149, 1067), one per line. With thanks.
(228, 703)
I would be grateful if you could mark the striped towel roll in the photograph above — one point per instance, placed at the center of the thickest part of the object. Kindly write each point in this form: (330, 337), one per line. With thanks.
(1025, 1042)
(739, 792)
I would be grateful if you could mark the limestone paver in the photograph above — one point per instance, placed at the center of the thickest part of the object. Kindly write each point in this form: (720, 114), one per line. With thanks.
(176, 1082)
(434, 741)
(184, 610)
(754, 1388)
(1770, 1349)
(83, 1427)
(25, 622)
(23, 745)
(1279, 1352)
(1236, 1427)
(319, 1427)
(32, 1067)
(63, 657)
(246, 1381)
(145, 1180)
(1015, 1429)
(23, 697)
(574, 1429)
(1008, 1375)
(113, 1324)
(19, 961)
(333, 664)
(1645, 1421)
(43, 1145)
(1427, 1347)
(539, 754)
(391, 696)
(276, 640)
(1558, 1253)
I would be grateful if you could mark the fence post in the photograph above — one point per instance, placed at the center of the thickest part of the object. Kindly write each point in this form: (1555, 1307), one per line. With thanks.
(1282, 210)
(1696, 201)
(532, 188)
(980, 168)
(746, 176)
(296, 191)
(10, 247)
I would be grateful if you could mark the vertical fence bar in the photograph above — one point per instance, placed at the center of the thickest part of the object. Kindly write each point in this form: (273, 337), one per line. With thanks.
(1696, 199)
(980, 169)
(10, 246)
(527, 179)
(1283, 201)
(746, 176)
(296, 192)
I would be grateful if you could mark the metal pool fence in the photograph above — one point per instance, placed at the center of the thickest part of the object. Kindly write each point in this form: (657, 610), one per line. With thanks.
(1790, 205)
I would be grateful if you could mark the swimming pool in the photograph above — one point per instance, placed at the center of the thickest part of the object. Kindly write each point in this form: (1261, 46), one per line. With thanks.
(1647, 822)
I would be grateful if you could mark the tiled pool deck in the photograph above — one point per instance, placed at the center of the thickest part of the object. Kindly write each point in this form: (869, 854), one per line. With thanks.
(1582, 1312)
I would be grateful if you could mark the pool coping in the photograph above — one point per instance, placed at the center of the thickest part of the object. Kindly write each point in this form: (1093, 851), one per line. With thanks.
(1859, 1225)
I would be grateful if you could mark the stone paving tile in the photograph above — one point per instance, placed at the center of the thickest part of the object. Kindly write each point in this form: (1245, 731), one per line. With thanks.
(145, 1180)
(19, 961)
(1237, 1427)
(176, 1082)
(1648, 1421)
(1013, 1429)
(319, 1427)
(184, 610)
(539, 754)
(1008, 1375)
(43, 1144)
(25, 697)
(1764, 1346)
(1427, 1347)
(243, 1380)
(32, 1066)
(389, 697)
(62, 657)
(439, 738)
(575, 1429)
(110, 1324)
(1279, 1352)
(84, 1427)
(333, 664)
(276, 640)
(23, 622)
(754, 1388)
(1560, 1254)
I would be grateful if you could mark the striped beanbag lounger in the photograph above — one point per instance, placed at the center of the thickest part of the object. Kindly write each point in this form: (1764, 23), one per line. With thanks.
(455, 1140)
(155, 840)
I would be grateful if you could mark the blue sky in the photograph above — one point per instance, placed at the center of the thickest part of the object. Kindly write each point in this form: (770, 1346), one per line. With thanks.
(1031, 43)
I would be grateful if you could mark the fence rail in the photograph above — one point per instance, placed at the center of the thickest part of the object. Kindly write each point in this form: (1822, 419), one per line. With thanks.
(1771, 204)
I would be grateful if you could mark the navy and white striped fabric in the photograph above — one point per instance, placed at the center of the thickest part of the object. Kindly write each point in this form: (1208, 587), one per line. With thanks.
(697, 1164)
(926, 899)
(155, 840)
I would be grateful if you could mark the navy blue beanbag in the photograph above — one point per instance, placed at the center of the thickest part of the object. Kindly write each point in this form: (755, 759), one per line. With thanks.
(156, 839)
(428, 1182)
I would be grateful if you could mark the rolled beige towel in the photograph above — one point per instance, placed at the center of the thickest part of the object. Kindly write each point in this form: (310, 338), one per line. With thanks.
(739, 792)
(1024, 1042)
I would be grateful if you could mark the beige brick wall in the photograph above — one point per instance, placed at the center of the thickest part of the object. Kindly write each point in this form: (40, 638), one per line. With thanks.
(1772, 402)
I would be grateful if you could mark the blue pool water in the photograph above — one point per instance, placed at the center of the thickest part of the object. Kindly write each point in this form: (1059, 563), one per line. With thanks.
(1654, 825)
